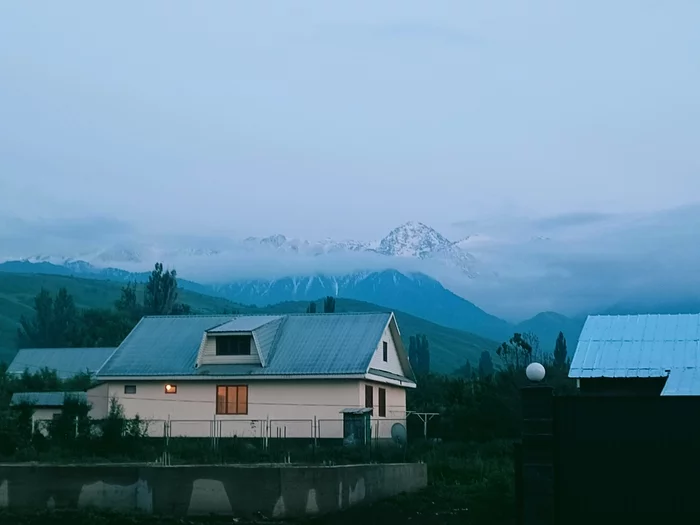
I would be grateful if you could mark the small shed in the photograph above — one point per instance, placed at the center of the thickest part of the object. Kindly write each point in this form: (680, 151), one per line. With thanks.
(357, 425)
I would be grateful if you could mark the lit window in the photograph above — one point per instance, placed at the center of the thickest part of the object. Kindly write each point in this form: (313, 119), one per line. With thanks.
(232, 400)
(171, 389)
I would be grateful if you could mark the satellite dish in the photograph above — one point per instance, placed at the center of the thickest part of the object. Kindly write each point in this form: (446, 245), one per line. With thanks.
(398, 433)
(535, 372)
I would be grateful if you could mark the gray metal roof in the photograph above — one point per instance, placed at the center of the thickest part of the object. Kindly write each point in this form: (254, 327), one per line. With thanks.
(637, 346)
(67, 362)
(45, 399)
(304, 344)
(244, 323)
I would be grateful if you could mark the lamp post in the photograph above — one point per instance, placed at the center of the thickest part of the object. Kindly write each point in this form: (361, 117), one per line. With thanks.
(537, 468)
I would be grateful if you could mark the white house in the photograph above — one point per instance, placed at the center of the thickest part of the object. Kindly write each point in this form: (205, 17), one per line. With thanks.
(259, 376)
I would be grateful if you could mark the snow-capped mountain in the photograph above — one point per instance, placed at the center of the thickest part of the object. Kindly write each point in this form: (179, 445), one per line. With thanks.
(410, 241)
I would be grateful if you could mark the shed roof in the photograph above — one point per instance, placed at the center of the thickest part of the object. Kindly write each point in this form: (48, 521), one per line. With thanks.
(45, 399)
(67, 362)
(290, 345)
(637, 346)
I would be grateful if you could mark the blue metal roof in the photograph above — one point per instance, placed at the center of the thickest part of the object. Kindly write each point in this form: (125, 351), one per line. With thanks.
(637, 346)
(244, 323)
(67, 362)
(161, 346)
(298, 344)
(45, 399)
(682, 382)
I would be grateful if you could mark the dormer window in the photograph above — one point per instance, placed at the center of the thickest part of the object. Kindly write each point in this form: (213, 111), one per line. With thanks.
(233, 345)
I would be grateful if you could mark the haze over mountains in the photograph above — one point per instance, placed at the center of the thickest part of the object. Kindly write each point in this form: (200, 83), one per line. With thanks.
(489, 278)
(513, 268)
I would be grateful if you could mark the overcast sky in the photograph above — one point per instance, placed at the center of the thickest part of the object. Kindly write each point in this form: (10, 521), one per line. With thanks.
(345, 119)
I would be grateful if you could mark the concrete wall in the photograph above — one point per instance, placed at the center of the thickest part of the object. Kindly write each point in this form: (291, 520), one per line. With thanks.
(290, 405)
(274, 491)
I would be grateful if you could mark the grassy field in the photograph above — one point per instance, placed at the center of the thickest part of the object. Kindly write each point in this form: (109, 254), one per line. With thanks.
(449, 348)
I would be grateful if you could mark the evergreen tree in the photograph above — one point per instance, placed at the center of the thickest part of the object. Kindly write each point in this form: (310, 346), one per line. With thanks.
(37, 332)
(466, 371)
(424, 354)
(560, 357)
(413, 353)
(56, 322)
(485, 365)
(311, 309)
(329, 305)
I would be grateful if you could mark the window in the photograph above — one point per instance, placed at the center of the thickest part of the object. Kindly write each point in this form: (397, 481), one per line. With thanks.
(233, 345)
(232, 399)
(369, 396)
(385, 349)
(382, 402)
(129, 389)
(170, 389)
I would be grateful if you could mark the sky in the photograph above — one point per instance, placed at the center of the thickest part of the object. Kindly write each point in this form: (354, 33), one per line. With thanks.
(321, 118)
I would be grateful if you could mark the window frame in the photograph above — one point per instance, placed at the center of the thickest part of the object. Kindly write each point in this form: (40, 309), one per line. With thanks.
(369, 399)
(381, 412)
(129, 387)
(385, 351)
(225, 412)
(225, 340)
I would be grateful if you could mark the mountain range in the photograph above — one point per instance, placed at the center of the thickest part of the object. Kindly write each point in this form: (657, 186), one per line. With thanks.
(450, 348)
(414, 293)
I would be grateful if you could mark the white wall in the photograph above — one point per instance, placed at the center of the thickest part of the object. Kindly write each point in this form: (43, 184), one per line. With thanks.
(392, 364)
(290, 406)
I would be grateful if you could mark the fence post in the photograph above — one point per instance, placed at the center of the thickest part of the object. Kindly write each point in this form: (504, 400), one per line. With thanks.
(537, 456)
(76, 426)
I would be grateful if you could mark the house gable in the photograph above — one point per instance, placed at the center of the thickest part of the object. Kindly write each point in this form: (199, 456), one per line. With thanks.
(390, 354)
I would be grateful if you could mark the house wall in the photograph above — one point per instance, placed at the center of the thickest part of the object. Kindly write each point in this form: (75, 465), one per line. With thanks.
(395, 408)
(392, 365)
(622, 386)
(45, 413)
(98, 398)
(290, 406)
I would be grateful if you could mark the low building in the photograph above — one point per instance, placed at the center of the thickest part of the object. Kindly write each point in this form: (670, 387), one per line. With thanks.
(66, 362)
(260, 376)
(46, 405)
(638, 355)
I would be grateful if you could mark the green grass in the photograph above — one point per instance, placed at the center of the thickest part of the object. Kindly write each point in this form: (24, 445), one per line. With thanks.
(449, 348)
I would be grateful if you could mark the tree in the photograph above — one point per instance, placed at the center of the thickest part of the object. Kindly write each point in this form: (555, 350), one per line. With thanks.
(424, 349)
(161, 291)
(419, 353)
(311, 309)
(560, 358)
(485, 365)
(516, 353)
(37, 332)
(466, 371)
(56, 322)
(329, 305)
(128, 303)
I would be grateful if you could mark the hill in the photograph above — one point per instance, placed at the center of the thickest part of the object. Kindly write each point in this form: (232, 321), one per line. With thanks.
(450, 348)
(547, 325)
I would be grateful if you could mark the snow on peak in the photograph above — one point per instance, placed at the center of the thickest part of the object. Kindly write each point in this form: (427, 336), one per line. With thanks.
(413, 239)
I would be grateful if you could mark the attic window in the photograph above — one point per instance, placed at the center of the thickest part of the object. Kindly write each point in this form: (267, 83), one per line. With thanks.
(385, 351)
(233, 345)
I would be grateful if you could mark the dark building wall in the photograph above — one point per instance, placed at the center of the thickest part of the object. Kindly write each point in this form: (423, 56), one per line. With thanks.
(628, 386)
